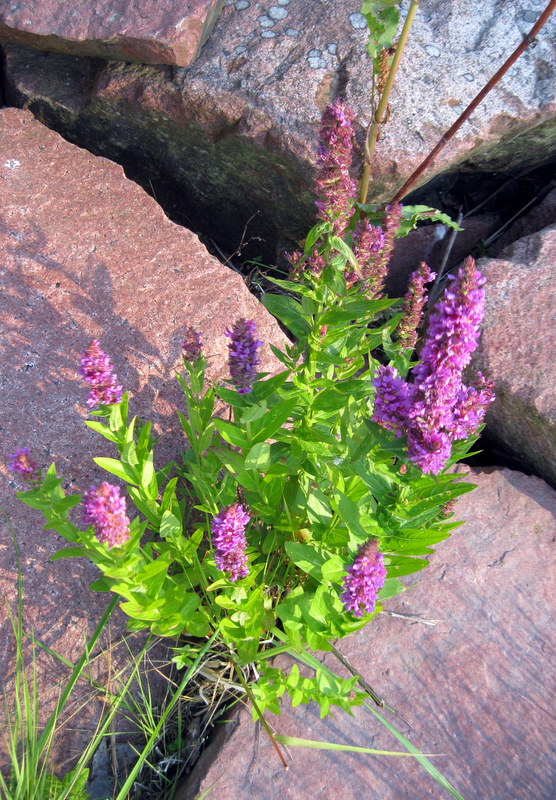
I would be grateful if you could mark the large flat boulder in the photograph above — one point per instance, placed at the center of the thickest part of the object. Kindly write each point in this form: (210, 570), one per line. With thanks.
(165, 32)
(517, 349)
(466, 659)
(235, 133)
(87, 253)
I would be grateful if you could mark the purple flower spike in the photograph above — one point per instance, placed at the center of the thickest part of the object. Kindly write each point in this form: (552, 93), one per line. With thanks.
(97, 370)
(243, 359)
(228, 538)
(364, 580)
(392, 404)
(105, 510)
(443, 408)
(368, 241)
(413, 304)
(21, 462)
(191, 346)
(334, 183)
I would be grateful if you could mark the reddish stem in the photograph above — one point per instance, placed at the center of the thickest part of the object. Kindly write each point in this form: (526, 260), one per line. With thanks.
(527, 40)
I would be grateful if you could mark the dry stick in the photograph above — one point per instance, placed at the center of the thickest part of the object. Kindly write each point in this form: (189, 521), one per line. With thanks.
(527, 40)
(378, 115)
(265, 724)
(361, 681)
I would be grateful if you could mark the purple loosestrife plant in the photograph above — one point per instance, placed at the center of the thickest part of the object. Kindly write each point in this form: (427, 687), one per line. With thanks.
(228, 539)
(243, 358)
(105, 509)
(22, 463)
(365, 578)
(98, 372)
(192, 347)
(315, 455)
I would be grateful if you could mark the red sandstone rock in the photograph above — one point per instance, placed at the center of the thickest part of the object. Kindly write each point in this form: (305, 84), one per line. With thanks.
(86, 253)
(163, 32)
(517, 349)
(474, 686)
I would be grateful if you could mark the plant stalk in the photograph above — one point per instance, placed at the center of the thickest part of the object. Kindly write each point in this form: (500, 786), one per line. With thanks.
(378, 116)
(527, 40)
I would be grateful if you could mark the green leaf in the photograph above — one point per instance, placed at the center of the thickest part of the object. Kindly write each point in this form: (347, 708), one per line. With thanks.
(338, 244)
(68, 552)
(329, 400)
(288, 311)
(412, 214)
(293, 741)
(425, 763)
(272, 421)
(63, 505)
(147, 473)
(104, 430)
(251, 413)
(398, 566)
(350, 516)
(314, 234)
(391, 588)
(231, 397)
(334, 279)
(231, 433)
(115, 467)
(333, 569)
(170, 526)
(263, 389)
(306, 558)
(258, 457)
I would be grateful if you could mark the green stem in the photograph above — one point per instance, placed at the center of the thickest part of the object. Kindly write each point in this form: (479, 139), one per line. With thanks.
(378, 115)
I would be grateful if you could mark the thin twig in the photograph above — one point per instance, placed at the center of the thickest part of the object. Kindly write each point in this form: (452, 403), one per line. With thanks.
(265, 724)
(502, 228)
(378, 115)
(361, 681)
(526, 41)
(412, 618)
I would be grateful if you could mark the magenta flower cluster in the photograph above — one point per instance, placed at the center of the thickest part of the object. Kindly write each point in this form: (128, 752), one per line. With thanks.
(243, 359)
(365, 578)
(229, 542)
(98, 371)
(437, 408)
(191, 347)
(105, 509)
(22, 463)
(335, 186)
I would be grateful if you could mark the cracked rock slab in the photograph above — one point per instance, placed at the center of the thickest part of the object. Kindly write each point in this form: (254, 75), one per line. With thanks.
(236, 133)
(161, 32)
(517, 349)
(473, 686)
